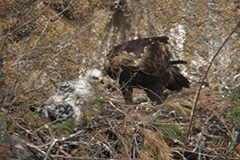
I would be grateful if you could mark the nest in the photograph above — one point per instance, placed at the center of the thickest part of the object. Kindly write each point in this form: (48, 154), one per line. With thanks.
(111, 132)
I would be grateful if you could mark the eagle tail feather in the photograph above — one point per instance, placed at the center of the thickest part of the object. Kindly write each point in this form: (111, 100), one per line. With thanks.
(178, 62)
(176, 81)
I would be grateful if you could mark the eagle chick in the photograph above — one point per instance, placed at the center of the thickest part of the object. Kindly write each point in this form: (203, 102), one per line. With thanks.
(71, 96)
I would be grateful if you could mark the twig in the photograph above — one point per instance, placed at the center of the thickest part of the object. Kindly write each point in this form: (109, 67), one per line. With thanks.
(204, 154)
(36, 147)
(116, 108)
(200, 87)
(50, 148)
(16, 123)
(26, 23)
(121, 139)
(85, 158)
(49, 20)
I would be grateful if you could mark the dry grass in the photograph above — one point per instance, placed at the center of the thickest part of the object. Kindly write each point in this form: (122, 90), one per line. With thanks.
(45, 44)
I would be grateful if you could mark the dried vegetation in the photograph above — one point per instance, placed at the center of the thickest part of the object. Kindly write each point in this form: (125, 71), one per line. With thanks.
(44, 43)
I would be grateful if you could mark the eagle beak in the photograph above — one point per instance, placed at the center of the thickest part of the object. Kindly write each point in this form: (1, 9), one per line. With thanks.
(100, 80)
(134, 63)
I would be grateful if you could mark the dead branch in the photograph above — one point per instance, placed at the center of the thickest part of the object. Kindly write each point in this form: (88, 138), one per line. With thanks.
(200, 87)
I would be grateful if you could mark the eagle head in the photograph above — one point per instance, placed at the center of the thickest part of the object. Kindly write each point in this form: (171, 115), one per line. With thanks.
(94, 76)
(129, 61)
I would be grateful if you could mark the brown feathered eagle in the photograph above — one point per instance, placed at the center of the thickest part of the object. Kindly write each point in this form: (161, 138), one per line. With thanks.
(145, 64)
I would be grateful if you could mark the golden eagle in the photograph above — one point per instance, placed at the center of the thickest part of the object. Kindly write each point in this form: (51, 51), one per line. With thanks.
(145, 64)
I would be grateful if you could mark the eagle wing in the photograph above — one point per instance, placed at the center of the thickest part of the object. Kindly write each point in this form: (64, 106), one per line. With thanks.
(130, 54)
(155, 59)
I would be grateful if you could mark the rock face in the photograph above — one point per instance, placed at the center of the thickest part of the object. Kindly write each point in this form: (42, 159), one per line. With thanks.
(196, 31)
(12, 148)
